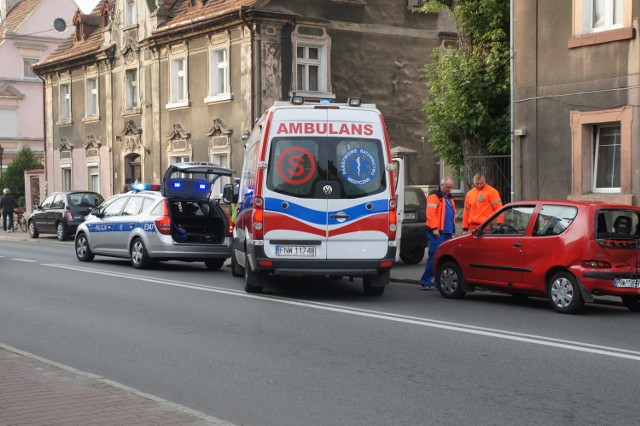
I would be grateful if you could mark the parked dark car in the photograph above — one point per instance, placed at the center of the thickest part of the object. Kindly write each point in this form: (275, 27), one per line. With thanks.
(413, 239)
(61, 213)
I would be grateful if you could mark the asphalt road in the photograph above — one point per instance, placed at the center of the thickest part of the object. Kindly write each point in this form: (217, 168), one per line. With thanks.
(310, 352)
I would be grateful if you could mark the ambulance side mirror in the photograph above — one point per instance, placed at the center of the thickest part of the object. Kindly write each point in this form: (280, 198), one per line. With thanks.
(228, 194)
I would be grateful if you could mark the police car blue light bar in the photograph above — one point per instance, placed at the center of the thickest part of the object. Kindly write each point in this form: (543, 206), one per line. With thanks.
(145, 187)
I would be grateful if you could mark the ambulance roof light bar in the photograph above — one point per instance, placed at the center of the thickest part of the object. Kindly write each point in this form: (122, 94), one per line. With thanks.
(354, 102)
(297, 100)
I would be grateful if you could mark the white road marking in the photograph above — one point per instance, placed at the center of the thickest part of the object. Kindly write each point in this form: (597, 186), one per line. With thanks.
(388, 316)
(24, 260)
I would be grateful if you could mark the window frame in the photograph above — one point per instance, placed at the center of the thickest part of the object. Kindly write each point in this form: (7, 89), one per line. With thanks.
(609, 12)
(215, 95)
(176, 81)
(596, 155)
(92, 100)
(64, 105)
(27, 71)
(132, 92)
(93, 171)
(11, 129)
(130, 13)
(307, 62)
(66, 177)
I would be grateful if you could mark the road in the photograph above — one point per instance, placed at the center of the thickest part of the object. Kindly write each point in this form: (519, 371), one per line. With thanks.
(314, 353)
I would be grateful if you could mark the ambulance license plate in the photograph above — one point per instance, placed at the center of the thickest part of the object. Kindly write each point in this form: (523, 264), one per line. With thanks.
(309, 251)
(626, 282)
(410, 215)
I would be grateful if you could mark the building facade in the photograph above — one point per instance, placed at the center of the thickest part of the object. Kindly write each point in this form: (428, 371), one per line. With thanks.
(576, 98)
(143, 84)
(27, 36)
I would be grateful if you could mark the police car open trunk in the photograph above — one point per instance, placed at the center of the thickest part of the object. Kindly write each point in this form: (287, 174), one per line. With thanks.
(194, 217)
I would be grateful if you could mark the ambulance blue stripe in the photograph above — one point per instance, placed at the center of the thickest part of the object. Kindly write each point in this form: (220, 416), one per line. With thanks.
(320, 217)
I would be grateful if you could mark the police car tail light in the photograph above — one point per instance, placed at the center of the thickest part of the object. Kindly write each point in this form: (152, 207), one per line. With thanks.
(257, 218)
(163, 223)
(393, 219)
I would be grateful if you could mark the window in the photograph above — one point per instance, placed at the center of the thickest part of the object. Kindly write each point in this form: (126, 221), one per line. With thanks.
(218, 74)
(66, 178)
(221, 159)
(134, 206)
(606, 159)
(605, 14)
(175, 159)
(130, 15)
(115, 207)
(94, 178)
(91, 87)
(8, 123)
(553, 220)
(131, 87)
(512, 221)
(65, 102)
(178, 81)
(308, 68)
(26, 66)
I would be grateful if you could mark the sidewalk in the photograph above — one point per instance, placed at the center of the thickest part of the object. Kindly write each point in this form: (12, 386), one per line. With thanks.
(36, 391)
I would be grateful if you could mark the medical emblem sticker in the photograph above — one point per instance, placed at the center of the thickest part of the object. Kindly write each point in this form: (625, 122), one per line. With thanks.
(296, 165)
(358, 166)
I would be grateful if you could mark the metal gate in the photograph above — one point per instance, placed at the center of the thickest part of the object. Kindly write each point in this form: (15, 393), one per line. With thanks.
(497, 169)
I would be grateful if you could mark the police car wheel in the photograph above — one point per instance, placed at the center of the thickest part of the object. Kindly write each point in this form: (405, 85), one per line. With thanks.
(214, 264)
(139, 256)
(83, 252)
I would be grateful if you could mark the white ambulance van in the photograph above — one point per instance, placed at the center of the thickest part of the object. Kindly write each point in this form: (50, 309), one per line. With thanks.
(316, 196)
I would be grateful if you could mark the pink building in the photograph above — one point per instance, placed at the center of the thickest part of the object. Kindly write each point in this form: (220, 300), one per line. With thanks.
(27, 35)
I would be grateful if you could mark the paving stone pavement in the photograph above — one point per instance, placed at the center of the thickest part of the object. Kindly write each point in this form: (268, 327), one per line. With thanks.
(35, 391)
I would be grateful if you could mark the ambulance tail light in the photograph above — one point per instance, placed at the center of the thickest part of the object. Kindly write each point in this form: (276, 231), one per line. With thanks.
(163, 223)
(393, 219)
(257, 218)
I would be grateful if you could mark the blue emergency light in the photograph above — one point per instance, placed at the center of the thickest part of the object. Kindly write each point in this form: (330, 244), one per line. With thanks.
(145, 187)
(177, 184)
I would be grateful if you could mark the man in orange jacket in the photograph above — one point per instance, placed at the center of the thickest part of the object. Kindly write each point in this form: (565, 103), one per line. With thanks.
(480, 203)
(441, 213)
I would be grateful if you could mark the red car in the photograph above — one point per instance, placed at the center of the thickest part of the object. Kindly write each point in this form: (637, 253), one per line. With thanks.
(565, 251)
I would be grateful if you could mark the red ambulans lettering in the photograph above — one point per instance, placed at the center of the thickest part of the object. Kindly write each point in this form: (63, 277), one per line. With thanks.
(349, 129)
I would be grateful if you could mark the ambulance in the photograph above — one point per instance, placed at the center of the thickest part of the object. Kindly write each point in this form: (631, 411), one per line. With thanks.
(316, 196)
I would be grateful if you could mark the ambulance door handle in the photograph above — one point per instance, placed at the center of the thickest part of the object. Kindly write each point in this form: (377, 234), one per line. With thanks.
(339, 216)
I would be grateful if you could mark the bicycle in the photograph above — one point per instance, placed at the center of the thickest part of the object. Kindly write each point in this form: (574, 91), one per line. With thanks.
(19, 221)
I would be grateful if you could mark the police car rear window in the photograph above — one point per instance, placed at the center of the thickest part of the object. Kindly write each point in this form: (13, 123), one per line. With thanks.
(299, 166)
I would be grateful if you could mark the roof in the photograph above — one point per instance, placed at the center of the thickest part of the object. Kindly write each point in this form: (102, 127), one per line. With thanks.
(182, 14)
(179, 14)
(17, 15)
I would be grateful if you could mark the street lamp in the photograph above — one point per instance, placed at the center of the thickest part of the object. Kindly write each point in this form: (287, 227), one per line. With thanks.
(1, 152)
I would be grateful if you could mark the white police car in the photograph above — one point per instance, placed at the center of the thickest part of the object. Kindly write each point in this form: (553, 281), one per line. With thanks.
(175, 221)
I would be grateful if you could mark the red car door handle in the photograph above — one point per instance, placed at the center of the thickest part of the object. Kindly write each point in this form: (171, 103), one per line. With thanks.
(517, 244)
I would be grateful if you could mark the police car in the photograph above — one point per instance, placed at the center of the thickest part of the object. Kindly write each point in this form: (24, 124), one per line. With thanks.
(173, 221)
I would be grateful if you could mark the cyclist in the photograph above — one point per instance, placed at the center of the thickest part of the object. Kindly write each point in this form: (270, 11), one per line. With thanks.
(7, 205)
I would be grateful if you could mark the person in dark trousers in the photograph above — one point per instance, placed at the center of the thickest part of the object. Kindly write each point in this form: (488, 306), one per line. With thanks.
(7, 205)
(441, 213)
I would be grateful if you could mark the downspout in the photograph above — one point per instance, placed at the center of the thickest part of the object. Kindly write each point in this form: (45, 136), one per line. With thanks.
(511, 89)
(253, 79)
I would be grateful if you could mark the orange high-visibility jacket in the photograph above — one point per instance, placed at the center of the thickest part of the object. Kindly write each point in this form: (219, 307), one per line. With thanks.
(479, 205)
(437, 208)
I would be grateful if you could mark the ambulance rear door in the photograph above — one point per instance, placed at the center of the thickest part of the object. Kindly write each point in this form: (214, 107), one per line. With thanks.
(358, 198)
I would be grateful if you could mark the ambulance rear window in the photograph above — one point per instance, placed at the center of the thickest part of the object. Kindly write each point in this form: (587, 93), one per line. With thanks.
(301, 166)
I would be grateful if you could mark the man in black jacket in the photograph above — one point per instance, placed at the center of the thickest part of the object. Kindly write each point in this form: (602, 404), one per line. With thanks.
(7, 204)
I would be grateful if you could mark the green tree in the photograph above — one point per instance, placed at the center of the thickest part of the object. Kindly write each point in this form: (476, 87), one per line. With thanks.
(13, 176)
(468, 103)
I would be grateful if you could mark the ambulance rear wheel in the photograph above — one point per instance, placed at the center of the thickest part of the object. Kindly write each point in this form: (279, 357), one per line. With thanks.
(253, 281)
(236, 269)
(374, 285)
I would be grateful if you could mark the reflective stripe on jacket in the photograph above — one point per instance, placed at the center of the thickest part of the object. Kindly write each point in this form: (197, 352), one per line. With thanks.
(437, 209)
(479, 205)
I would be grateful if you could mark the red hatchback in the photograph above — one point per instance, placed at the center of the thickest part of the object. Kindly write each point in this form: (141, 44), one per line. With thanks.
(565, 251)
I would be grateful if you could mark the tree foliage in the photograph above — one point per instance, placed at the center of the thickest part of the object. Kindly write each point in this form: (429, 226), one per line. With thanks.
(13, 176)
(468, 103)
